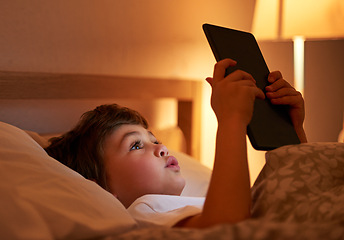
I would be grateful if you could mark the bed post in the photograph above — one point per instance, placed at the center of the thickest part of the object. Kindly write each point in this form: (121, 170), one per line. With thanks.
(189, 120)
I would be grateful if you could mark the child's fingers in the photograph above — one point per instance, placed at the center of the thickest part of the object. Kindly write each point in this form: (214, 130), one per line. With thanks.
(239, 75)
(251, 87)
(259, 93)
(280, 83)
(209, 80)
(220, 68)
(289, 91)
(245, 79)
(291, 100)
(285, 96)
(273, 76)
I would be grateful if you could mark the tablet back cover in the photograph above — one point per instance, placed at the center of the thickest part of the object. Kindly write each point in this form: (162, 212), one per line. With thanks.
(270, 126)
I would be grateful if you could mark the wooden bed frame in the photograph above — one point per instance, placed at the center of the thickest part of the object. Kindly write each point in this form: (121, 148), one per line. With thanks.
(30, 85)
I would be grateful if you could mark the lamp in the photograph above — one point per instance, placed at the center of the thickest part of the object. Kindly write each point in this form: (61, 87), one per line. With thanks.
(298, 20)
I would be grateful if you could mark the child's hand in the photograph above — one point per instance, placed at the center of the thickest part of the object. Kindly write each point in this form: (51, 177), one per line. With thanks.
(280, 92)
(233, 95)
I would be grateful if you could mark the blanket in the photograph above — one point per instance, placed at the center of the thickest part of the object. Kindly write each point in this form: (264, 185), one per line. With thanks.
(299, 194)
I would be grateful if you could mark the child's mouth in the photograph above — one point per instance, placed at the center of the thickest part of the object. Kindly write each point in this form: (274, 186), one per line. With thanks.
(172, 163)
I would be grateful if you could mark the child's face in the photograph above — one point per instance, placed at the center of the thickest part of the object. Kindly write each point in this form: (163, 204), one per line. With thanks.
(136, 164)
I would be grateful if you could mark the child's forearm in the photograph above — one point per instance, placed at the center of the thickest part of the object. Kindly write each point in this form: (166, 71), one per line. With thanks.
(228, 199)
(229, 190)
(301, 134)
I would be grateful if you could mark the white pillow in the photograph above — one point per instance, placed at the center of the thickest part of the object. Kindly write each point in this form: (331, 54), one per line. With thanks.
(197, 176)
(43, 199)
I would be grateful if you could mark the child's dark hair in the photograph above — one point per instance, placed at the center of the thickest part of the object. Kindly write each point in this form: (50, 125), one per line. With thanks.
(81, 149)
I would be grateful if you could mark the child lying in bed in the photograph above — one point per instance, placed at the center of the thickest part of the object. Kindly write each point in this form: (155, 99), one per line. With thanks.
(112, 146)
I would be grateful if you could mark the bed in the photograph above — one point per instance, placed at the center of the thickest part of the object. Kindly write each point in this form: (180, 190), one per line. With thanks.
(299, 193)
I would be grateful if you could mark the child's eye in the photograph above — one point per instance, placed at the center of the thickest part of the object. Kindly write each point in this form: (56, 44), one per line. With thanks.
(136, 146)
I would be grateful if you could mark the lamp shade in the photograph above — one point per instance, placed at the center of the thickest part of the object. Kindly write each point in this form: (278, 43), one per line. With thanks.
(288, 18)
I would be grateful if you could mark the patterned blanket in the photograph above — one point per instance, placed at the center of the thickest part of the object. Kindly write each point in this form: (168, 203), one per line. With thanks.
(299, 194)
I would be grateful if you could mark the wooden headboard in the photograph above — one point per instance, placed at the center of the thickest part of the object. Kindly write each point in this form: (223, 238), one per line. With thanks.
(29, 85)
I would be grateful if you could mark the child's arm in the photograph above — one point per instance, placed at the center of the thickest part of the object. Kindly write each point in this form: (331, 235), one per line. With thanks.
(281, 92)
(228, 199)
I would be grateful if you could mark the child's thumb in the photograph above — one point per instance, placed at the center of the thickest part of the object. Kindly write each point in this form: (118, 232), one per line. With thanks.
(209, 80)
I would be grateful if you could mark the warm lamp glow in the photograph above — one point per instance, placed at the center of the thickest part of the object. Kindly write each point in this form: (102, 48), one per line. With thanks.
(313, 19)
(266, 17)
(299, 62)
(297, 20)
(288, 18)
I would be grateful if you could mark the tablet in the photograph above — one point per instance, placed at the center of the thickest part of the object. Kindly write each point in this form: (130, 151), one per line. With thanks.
(271, 126)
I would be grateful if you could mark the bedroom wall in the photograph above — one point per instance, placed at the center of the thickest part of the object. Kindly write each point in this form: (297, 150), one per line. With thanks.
(158, 38)
(324, 89)
(131, 37)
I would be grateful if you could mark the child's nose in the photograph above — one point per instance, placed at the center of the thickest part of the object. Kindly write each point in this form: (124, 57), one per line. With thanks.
(161, 151)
